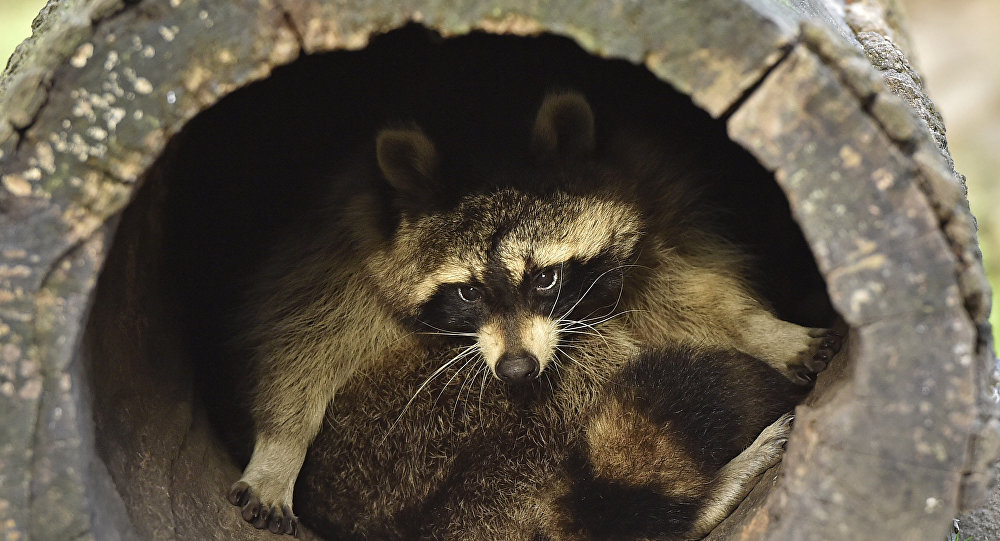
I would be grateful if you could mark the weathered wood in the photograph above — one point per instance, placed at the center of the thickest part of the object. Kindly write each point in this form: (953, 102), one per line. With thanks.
(897, 443)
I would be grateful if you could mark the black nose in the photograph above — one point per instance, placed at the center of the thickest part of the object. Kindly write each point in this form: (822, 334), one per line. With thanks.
(517, 368)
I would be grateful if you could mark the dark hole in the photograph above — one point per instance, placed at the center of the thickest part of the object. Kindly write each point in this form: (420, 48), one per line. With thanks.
(239, 171)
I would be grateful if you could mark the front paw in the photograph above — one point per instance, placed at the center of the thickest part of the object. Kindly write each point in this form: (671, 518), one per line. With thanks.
(773, 438)
(821, 346)
(274, 516)
(766, 450)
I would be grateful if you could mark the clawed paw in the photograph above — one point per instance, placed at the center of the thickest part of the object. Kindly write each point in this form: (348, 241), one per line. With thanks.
(823, 344)
(772, 440)
(276, 517)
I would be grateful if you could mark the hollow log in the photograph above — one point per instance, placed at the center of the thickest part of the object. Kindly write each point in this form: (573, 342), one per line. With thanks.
(106, 111)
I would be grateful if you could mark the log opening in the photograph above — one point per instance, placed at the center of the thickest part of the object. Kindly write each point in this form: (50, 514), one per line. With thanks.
(166, 410)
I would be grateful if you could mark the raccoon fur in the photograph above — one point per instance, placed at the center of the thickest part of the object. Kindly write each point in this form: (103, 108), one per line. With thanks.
(577, 256)
(671, 442)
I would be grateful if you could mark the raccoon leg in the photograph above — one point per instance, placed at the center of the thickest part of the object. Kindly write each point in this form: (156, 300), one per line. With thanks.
(706, 302)
(264, 493)
(288, 415)
(737, 478)
(797, 352)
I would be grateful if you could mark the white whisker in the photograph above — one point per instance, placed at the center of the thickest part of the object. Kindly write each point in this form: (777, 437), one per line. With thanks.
(602, 319)
(592, 284)
(448, 333)
(444, 332)
(590, 370)
(576, 331)
(458, 397)
(465, 352)
(482, 388)
(568, 356)
(558, 292)
(452, 378)
(596, 332)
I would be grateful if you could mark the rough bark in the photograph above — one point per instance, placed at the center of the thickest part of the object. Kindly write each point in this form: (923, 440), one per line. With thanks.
(892, 445)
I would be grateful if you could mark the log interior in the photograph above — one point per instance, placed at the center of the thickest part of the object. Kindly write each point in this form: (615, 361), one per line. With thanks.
(170, 425)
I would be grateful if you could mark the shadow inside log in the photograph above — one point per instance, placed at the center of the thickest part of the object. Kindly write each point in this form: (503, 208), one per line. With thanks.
(171, 421)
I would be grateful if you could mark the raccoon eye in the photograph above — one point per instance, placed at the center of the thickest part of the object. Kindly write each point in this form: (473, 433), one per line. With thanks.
(546, 279)
(469, 293)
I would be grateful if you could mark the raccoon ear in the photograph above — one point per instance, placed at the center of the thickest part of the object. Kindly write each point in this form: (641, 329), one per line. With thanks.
(408, 162)
(564, 126)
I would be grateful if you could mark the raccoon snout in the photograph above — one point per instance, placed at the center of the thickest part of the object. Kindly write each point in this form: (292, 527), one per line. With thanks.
(517, 367)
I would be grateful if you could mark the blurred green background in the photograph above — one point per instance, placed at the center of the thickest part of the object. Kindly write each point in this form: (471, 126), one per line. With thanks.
(954, 47)
(15, 23)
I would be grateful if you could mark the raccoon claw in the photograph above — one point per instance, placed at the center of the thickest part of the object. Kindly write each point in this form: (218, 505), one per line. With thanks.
(785, 427)
(239, 494)
(277, 519)
(822, 346)
(803, 376)
(773, 440)
(819, 361)
(828, 345)
(259, 513)
(282, 521)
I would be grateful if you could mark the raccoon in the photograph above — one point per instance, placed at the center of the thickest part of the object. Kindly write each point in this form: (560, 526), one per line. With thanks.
(672, 442)
(577, 256)
(672, 446)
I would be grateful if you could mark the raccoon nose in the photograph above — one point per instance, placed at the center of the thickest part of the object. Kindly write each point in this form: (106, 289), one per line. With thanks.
(517, 367)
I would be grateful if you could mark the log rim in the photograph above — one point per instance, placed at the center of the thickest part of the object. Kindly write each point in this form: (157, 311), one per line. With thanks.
(86, 221)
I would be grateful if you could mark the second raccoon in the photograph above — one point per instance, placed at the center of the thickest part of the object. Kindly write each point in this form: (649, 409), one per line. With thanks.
(577, 256)
(670, 444)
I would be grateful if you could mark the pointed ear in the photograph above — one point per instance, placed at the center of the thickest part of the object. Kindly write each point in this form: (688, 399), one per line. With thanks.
(564, 126)
(408, 162)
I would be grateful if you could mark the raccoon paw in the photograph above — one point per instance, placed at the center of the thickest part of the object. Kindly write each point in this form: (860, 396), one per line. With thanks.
(276, 517)
(822, 345)
(737, 478)
(771, 441)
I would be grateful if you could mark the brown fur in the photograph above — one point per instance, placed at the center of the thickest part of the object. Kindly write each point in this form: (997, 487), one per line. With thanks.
(346, 292)
(471, 458)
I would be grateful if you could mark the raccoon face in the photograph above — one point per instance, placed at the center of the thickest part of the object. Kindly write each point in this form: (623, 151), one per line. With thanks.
(519, 273)
(524, 284)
